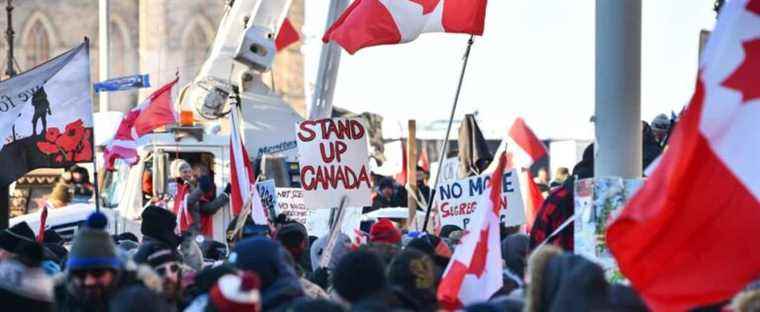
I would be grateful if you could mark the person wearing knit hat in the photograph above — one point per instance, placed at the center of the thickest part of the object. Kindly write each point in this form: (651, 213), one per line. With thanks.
(358, 276)
(92, 268)
(384, 231)
(279, 283)
(158, 225)
(12, 237)
(166, 262)
(236, 293)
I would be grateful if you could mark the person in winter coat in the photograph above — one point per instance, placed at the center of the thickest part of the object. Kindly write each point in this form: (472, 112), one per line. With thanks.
(24, 285)
(202, 202)
(360, 280)
(95, 274)
(560, 281)
(165, 261)
(279, 283)
(413, 278)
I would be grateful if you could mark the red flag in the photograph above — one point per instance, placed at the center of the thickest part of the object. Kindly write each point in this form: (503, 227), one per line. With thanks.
(286, 36)
(686, 238)
(474, 272)
(368, 23)
(401, 176)
(242, 177)
(424, 161)
(156, 111)
(533, 200)
(43, 222)
(524, 145)
(526, 149)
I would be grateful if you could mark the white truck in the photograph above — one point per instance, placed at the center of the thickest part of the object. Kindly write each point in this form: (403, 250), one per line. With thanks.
(242, 50)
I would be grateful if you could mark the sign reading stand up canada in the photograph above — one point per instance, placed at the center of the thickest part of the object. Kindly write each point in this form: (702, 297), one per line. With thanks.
(334, 162)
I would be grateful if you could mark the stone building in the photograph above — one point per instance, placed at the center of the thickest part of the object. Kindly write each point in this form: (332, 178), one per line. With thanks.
(157, 37)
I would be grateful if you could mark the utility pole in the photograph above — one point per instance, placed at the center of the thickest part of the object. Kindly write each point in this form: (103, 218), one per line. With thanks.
(618, 89)
(104, 23)
(10, 72)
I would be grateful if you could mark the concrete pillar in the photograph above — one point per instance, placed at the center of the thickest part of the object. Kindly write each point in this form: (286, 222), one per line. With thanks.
(618, 89)
(104, 25)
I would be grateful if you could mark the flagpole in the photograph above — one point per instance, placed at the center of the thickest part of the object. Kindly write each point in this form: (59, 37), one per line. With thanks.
(445, 144)
(94, 153)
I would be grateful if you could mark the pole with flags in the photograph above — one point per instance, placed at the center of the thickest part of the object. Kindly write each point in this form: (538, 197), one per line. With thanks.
(445, 144)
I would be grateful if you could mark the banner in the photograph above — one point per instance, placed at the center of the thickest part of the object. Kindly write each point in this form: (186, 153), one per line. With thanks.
(268, 196)
(46, 116)
(597, 201)
(334, 162)
(457, 200)
(123, 83)
(290, 201)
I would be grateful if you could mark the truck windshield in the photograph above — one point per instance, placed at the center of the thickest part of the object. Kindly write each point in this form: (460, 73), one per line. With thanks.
(114, 183)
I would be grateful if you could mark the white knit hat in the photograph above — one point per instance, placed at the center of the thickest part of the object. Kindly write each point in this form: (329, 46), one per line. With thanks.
(176, 167)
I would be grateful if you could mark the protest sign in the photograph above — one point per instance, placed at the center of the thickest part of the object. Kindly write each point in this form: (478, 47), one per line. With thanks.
(597, 201)
(450, 170)
(457, 200)
(333, 157)
(268, 196)
(290, 201)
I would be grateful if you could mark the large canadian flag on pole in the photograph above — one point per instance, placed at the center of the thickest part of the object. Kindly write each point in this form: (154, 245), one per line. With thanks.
(688, 237)
(368, 23)
(242, 176)
(474, 272)
(156, 111)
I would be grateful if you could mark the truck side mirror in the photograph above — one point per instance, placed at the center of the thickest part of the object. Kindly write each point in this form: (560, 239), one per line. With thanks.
(160, 168)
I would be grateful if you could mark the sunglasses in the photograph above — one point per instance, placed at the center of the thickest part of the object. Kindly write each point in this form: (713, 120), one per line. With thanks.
(166, 269)
(96, 273)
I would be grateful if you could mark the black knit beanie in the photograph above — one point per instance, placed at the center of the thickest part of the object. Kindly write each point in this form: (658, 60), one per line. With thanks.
(359, 275)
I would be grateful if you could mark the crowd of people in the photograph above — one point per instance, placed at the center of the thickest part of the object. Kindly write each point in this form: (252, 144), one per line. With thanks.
(281, 267)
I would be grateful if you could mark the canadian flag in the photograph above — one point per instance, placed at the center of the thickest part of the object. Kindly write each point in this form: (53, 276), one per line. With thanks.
(156, 111)
(368, 23)
(475, 270)
(286, 36)
(526, 149)
(688, 236)
(241, 175)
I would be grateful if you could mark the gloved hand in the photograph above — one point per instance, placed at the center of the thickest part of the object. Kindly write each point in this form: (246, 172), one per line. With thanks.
(321, 277)
(228, 189)
(205, 183)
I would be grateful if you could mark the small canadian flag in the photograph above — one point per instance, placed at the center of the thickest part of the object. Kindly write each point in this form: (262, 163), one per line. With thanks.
(474, 272)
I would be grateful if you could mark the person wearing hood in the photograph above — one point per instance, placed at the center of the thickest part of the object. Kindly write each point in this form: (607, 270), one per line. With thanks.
(560, 281)
(279, 282)
(514, 252)
(94, 273)
(414, 279)
(360, 280)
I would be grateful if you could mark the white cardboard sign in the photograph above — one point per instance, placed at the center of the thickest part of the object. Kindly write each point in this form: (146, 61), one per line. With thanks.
(333, 157)
(457, 200)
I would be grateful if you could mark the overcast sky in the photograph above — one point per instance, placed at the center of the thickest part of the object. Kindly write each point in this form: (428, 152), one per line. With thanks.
(535, 60)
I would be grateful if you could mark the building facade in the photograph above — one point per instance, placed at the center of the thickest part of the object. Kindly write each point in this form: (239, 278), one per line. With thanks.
(157, 37)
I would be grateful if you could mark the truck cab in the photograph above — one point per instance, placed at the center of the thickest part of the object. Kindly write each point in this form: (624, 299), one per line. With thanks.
(126, 191)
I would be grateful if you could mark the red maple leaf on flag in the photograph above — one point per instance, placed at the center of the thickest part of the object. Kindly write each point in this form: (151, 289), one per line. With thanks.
(427, 5)
(746, 77)
(754, 6)
(478, 261)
